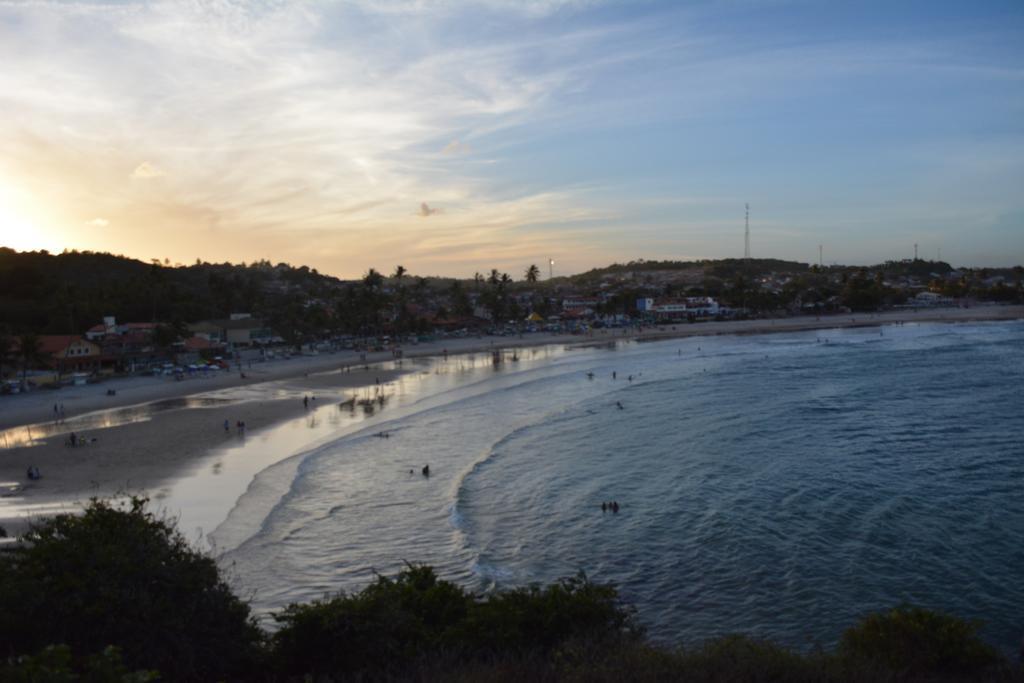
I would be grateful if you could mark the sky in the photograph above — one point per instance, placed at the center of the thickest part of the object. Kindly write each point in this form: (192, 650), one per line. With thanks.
(452, 137)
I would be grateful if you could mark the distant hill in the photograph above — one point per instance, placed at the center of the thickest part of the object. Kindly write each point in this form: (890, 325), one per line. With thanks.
(721, 268)
(69, 292)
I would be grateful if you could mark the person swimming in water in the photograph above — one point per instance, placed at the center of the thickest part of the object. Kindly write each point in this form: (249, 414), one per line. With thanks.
(426, 470)
(619, 404)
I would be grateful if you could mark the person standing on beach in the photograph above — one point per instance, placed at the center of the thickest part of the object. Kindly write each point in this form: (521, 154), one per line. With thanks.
(305, 401)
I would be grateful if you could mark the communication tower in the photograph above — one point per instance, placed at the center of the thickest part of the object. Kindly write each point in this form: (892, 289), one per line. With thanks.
(746, 237)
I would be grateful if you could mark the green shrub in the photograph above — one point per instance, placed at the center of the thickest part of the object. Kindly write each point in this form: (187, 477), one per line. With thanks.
(541, 618)
(397, 624)
(918, 641)
(117, 575)
(382, 628)
(54, 664)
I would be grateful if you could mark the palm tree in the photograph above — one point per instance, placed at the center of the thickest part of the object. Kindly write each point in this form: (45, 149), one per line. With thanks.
(532, 273)
(373, 280)
(478, 280)
(505, 280)
(31, 353)
(5, 351)
(400, 272)
(494, 277)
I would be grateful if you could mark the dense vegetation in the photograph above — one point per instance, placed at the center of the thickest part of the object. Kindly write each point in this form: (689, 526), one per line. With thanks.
(117, 594)
(67, 293)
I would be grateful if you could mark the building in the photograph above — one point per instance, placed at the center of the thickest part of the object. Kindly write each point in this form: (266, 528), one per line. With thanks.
(696, 306)
(67, 353)
(234, 331)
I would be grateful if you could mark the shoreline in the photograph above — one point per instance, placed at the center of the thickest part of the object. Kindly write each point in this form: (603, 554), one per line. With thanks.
(166, 445)
(34, 408)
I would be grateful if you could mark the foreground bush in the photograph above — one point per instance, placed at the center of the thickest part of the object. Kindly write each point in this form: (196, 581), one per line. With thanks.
(918, 641)
(55, 664)
(397, 624)
(117, 575)
(118, 595)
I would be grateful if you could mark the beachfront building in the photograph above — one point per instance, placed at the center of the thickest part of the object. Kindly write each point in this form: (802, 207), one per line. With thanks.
(578, 305)
(67, 353)
(689, 307)
(111, 328)
(240, 330)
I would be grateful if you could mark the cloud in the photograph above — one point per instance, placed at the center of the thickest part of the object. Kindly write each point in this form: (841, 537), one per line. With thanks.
(426, 211)
(97, 223)
(457, 147)
(146, 170)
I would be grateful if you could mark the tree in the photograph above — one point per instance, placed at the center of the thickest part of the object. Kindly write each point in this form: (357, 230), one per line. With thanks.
(6, 344)
(400, 272)
(31, 353)
(532, 273)
(478, 280)
(118, 575)
(373, 280)
(494, 277)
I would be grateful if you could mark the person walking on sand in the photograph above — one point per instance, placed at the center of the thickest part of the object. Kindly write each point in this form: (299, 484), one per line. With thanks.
(227, 426)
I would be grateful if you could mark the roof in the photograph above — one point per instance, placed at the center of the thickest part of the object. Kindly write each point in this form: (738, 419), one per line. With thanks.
(199, 343)
(243, 324)
(54, 343)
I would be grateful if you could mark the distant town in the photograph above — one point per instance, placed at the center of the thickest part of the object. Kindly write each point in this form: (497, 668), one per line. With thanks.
(77, 316)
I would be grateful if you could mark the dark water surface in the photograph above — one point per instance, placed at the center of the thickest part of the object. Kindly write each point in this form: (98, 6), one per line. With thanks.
(779, 485)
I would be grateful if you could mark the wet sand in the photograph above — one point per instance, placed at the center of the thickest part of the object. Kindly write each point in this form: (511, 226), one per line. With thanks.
(142, 455)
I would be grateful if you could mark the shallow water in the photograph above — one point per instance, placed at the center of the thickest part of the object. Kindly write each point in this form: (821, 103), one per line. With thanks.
(778, 485)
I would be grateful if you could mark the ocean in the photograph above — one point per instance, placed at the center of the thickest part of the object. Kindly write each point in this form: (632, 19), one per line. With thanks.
(779, 486)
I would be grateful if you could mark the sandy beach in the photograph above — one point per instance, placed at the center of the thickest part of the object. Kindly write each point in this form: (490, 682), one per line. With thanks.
(162, 445)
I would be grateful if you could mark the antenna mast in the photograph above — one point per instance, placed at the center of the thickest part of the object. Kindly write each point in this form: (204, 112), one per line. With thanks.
(746, 237)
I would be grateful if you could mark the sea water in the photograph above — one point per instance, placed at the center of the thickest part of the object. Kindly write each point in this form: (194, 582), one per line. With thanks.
(777, 485)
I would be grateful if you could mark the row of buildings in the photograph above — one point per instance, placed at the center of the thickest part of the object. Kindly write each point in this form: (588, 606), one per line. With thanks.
(132, 347)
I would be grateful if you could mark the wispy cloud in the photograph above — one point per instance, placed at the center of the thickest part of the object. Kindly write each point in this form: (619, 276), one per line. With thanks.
(97, 223)
(457, 147)
(198, 127)
(146, 170)
(425, 211)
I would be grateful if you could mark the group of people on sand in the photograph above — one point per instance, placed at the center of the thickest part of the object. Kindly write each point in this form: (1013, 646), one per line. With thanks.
(75, 440)
(306, 399)
(58, 412)
(239, 426)
(610, 507)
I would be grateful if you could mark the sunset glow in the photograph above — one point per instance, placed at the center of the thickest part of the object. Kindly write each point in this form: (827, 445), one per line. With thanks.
(463, 136)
